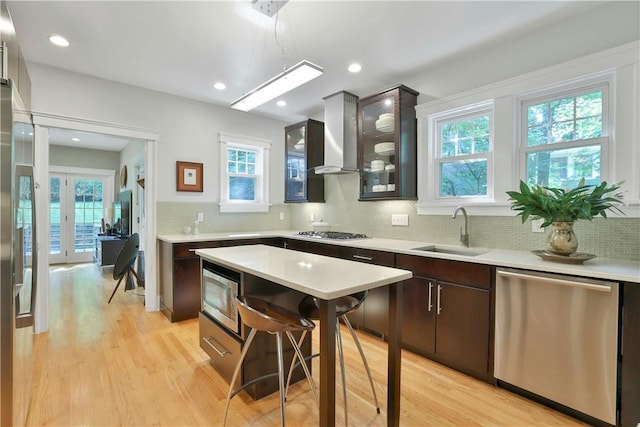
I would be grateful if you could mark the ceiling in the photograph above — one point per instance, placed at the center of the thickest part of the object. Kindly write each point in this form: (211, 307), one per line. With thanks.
(183, 48)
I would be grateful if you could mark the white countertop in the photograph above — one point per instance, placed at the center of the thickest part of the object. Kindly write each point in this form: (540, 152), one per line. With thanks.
(600, 268)
(320, 276)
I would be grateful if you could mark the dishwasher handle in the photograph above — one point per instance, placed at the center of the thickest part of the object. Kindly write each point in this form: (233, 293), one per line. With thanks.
(555, 281)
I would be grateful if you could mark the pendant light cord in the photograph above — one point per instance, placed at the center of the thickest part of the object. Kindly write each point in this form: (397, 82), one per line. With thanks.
(281, 46)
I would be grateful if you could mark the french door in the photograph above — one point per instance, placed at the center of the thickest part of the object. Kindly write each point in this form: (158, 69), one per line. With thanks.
(76, 207)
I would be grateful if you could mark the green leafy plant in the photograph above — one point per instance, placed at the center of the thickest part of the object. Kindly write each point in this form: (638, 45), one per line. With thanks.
(559, 205)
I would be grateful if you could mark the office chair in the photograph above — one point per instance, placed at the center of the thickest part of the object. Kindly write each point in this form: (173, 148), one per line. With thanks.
(123, 268)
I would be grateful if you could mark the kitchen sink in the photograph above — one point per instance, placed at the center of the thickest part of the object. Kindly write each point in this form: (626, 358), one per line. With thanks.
(452, 250)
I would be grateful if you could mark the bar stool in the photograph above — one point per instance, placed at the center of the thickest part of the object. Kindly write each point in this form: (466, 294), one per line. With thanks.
(309, 307)
(264, 316)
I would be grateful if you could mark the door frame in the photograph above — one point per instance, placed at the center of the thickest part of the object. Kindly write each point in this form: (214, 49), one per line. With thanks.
(43, 121)
(107, 195)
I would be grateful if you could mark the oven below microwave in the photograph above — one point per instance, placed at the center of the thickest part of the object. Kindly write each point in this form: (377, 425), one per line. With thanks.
(220, 287)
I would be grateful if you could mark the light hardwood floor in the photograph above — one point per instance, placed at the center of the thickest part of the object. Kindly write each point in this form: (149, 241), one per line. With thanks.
(115, 364)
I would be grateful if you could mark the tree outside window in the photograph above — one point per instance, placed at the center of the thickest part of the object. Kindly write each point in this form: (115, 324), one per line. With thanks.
(563, 138)
(463, 150)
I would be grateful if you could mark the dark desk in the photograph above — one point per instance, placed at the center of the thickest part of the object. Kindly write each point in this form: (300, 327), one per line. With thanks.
(107, 249)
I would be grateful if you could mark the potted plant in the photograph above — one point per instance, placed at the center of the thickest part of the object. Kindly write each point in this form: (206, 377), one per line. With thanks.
(560, 208)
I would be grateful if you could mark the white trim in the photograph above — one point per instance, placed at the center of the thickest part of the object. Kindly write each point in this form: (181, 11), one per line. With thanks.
(250, 141)
(82, 171)
(41, 122)
(263, 146)
(75, 123)
(428, 181)
(618, 67)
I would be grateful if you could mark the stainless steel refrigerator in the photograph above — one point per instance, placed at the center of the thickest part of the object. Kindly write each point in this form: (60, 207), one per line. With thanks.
(18, 253)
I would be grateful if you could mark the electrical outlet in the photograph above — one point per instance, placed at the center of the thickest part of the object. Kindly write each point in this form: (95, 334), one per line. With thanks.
(536, 226)
(400, 220)
(281, 216)
(200, 216)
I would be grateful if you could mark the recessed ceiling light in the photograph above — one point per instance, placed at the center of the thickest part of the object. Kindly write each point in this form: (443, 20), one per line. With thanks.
(75, 139)
(281, 103)
(354, 68)
(58, 41)
(220, 86)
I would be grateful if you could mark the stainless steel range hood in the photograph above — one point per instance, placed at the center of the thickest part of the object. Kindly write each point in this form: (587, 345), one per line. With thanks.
(340, 134)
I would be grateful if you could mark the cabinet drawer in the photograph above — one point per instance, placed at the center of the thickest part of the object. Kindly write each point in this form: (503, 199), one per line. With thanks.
(223, 349)
(462, 273)
(186, 250)
(386, 259)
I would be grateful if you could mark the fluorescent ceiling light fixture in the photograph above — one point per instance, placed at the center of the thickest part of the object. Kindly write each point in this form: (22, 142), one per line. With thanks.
(75, 139)
(281, 103)
(295, 76)
(354, 68)
(220, 86)
(58, 41)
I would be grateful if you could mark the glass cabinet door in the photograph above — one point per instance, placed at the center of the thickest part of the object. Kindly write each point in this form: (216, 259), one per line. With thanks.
(387, 145)
(296, 164)
(304, 149)
(379, 145)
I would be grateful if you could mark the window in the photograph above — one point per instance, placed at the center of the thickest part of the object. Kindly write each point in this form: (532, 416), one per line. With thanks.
(462, 154)
(244, 170)
(564, 138)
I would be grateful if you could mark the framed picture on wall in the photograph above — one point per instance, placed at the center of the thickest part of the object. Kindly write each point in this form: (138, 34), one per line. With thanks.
(188, 176)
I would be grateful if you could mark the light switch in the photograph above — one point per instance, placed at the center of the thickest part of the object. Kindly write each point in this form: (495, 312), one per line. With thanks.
(200, 216)
(400, 220)
(281, 216)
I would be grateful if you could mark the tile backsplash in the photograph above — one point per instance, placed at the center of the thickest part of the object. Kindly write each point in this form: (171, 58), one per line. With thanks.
(616, 237)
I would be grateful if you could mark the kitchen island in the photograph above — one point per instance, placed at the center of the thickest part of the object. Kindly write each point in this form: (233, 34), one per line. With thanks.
(325, 278)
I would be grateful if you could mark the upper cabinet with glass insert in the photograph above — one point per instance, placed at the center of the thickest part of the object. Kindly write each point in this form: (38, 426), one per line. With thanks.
(387, 144)
(304, 150)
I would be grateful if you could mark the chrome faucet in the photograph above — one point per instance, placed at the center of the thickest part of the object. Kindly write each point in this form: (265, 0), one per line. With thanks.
(464, 236)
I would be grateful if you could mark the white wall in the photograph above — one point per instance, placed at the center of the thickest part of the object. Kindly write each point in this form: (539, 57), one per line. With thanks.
(188, 129)
(613, 24)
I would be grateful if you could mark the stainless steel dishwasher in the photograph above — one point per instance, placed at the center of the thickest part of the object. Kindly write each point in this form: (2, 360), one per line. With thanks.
(557, 336)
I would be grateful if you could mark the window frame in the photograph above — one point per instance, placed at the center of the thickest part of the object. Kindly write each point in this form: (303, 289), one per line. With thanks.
(435, 160)
(262, 149)
(548, 96)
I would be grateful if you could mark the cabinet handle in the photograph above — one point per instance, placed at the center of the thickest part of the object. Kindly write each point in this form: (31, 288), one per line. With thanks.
(439, 308)
(362, 257)
(285, 245)
(221, 353)
(430, 305)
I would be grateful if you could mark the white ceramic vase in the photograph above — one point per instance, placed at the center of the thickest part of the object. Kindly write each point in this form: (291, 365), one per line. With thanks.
(561, 239)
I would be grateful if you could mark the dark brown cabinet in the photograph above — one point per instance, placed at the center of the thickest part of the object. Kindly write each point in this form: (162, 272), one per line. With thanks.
(630, 366)
(373, 313)
(313, 247)
(224, 347)
(304, 149)
(179, 276)
(387, 145)
(447, 313)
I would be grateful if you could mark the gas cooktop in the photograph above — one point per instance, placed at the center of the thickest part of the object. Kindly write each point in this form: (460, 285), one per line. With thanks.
(337, 235)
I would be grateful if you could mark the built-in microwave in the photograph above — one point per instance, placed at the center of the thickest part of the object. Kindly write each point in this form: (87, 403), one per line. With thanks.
(220, 287)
